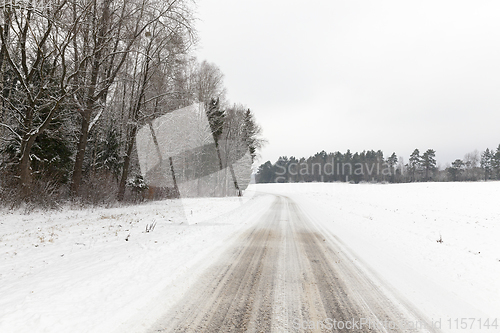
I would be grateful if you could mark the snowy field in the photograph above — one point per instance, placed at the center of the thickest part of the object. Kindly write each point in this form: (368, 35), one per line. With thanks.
(98, 270)
(395, 228)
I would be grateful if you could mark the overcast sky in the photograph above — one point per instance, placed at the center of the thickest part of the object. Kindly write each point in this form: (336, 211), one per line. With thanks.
(336, 75)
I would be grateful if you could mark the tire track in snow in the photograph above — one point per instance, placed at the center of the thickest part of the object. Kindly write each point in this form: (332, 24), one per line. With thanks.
(282, 275)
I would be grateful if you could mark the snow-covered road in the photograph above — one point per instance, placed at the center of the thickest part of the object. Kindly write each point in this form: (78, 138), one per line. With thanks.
(98, 270)
(286, 275)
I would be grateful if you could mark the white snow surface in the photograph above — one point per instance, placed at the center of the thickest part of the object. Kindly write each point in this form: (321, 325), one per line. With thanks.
(393, 229)
(74, 271)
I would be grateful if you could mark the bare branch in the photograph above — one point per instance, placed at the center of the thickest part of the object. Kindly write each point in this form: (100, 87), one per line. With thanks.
(12, 131)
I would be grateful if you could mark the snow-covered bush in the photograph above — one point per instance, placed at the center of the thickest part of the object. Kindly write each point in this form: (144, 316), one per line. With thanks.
(138, 187)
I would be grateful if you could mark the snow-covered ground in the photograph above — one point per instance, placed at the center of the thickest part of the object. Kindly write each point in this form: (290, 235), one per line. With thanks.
(98, 270)
(395, 228)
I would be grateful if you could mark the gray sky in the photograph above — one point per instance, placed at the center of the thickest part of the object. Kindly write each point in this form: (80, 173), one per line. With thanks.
(336, 75)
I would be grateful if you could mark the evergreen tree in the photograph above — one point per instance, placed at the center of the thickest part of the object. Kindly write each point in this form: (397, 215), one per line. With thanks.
(338, 159)
(108, 157)
(414, 164)
(281, 170)
(486, 163)
(455, 169)
(495, 163)
(358, 164)
(293, 169)
(216, 120)
(428, 162)
(391, 162)
(379, 155)
(251, 133)
(266, 173)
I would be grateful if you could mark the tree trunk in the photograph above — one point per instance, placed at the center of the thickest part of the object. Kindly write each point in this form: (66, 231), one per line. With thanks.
(80, 154)
(176, 188)
(221, 167)
(126, 163)
(234, 179)
(3, 66)
(25, 176)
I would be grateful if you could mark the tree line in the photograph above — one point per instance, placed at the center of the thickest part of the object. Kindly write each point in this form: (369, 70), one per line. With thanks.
(78, 78)
(372, 166)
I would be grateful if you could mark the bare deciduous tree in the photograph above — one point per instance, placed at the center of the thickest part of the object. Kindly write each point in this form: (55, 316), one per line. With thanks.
(110, 34)
(471, 166)
(35, 75)
(148, 85)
